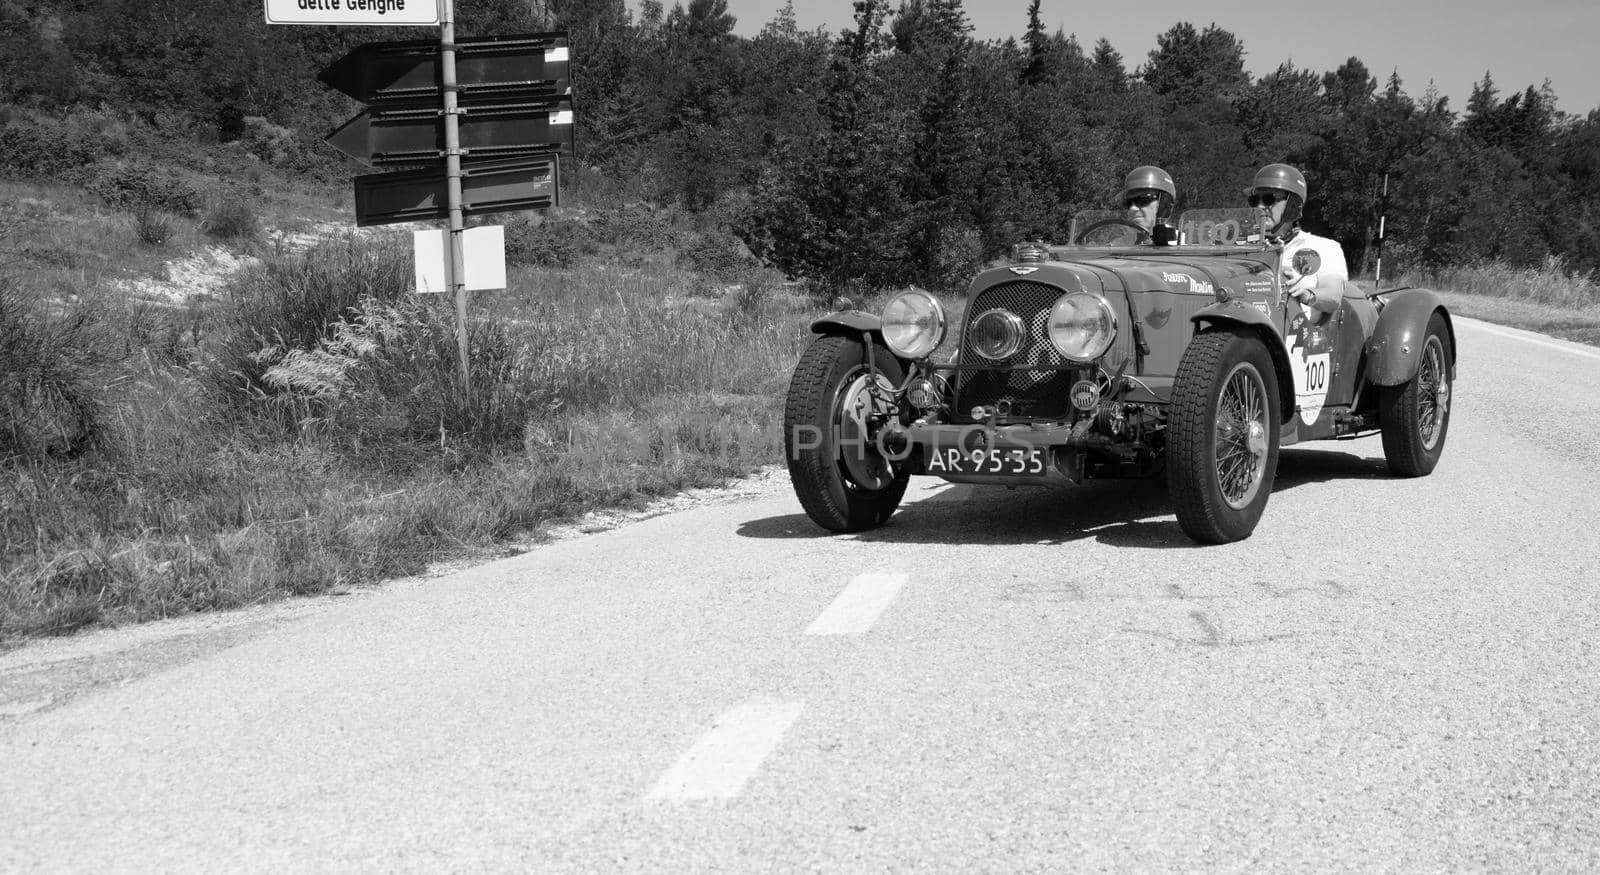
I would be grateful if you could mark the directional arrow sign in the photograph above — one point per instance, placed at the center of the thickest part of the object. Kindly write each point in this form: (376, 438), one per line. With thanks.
(388, 135)
(490, 187)
(529, 64)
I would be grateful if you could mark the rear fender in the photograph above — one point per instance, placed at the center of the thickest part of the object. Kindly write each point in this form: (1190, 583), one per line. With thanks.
(1394, 350)
(1238, 314)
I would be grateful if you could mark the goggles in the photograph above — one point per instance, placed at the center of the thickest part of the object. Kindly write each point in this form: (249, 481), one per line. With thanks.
(1266, 199)
(1140, 200)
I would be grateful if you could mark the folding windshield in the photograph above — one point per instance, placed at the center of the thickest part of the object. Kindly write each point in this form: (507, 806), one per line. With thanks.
(1219, 227)
(1105, 228)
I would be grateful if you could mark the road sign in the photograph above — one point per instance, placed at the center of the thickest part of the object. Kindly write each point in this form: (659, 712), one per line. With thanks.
(526, 65)
(389, 135)
(488, 187)
(385, 13)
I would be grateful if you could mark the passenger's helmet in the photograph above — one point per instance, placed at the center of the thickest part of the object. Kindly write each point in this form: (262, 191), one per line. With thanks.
(1281, 177)
(1149, 178)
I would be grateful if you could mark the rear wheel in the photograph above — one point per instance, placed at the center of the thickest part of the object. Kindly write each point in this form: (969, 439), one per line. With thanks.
(830, 424)
(1222, 444)
(1415, 415)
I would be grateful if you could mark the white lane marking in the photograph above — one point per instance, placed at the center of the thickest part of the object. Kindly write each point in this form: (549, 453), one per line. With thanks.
(858, 607)
(720, 763)
(1526, 337)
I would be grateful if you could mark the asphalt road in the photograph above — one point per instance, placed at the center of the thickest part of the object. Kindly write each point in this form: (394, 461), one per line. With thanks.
(1390, 675)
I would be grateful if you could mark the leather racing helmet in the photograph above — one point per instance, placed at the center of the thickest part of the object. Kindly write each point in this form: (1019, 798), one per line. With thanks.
(1281, 177)
(1151, 178)
(1288, 180)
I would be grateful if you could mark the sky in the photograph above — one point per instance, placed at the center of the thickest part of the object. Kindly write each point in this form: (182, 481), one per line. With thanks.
(1452, 42)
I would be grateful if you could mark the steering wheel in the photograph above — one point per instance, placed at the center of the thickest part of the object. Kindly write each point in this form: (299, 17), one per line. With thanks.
(1104, 223)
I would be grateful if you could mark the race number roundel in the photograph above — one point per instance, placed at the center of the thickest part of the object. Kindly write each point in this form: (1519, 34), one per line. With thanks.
(1311, 361)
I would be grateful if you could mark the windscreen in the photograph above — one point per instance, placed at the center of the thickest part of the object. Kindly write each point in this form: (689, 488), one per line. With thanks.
(1219, 227)
(1104, 228)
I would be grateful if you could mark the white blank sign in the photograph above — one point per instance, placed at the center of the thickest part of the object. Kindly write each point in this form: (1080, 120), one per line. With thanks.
(483, 256)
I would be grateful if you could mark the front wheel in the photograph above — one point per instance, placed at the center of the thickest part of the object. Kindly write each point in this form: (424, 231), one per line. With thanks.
(1415, 415)
(1222, 443)
(841, 474)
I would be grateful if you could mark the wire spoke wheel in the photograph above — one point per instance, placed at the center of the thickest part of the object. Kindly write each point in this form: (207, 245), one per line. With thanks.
(1433, 394)
(1241, 431)
(1222, 446)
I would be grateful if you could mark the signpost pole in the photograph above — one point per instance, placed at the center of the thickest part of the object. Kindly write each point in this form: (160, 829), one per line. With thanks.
(456, 275)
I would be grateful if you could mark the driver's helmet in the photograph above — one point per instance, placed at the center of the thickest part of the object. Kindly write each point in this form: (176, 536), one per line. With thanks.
(1153, 180)
(1280, 177)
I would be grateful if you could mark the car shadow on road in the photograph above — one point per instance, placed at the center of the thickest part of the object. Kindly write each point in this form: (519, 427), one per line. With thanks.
(1123, 513)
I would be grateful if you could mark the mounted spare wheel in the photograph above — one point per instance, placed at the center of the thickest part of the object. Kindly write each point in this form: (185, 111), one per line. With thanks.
(1222, 441)
(831, 422)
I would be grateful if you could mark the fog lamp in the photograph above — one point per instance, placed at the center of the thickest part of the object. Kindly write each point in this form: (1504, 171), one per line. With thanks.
(923, 394)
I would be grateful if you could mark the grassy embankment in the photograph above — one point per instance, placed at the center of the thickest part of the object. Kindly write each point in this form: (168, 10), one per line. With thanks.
(1550, 299)
(305, 429)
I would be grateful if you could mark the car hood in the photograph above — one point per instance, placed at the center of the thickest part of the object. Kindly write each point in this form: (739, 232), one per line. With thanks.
(1175, 274)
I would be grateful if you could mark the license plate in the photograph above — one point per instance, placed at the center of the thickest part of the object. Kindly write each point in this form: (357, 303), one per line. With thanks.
(1003, 461)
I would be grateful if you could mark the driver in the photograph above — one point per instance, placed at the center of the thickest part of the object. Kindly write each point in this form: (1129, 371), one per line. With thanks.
(1148, 194)
(1278, 193)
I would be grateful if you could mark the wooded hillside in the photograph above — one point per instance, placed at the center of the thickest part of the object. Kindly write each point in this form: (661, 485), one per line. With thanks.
(898, 150)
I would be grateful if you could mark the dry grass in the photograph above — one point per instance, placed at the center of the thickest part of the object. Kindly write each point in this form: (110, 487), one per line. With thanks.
(204, 489)
(1549, 299)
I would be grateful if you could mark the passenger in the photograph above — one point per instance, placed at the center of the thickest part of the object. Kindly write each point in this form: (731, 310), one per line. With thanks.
(1278, 194)
(1148, 195)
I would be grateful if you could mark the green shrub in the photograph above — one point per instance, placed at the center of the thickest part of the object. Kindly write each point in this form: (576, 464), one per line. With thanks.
(718, 254)
(44, 147)
(133, 184)
(152, 226)
(554, 241)
(54, 367)
(232, 219)
(638, 226)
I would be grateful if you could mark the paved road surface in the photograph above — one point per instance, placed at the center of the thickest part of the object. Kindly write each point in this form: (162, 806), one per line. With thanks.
(1390, 675)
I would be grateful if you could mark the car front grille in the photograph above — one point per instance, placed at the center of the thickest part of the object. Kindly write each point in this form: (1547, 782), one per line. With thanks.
(1041, 393)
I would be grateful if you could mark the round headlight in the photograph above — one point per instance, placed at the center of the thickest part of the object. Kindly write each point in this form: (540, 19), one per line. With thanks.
(996, 334)
(913, 324)
(1082, 326)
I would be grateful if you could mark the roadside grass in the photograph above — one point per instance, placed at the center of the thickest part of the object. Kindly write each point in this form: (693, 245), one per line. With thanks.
(260, 448)
(69, 241)
(1549, 299)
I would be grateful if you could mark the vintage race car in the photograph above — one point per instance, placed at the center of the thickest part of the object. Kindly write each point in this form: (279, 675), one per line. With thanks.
(1116, 356)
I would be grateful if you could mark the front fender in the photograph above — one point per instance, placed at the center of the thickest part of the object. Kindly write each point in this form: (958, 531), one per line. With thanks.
(1246, 316)
(852, 321)
(1395, 348)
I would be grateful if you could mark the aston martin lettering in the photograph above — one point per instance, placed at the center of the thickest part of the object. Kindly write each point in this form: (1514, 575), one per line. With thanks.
(1023, 271)
(1197, 287)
